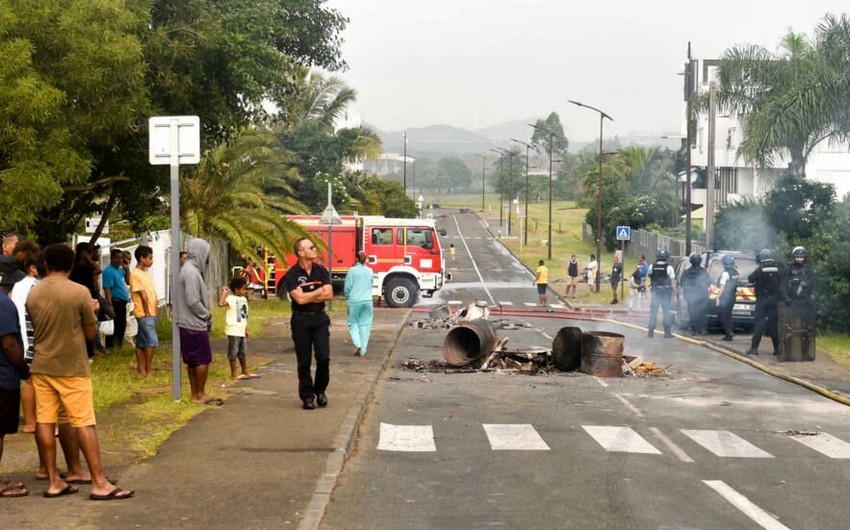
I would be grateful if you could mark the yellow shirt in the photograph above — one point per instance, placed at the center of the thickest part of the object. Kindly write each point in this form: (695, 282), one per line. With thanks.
(142, 281)
(542, 275)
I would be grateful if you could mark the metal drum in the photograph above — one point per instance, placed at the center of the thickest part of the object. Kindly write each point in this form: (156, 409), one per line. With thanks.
(602, 353)
(566, 349)
(468, 342)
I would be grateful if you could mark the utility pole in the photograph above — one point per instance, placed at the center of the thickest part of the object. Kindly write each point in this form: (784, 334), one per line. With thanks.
(404, 161)
(709, 200)
(689, 93)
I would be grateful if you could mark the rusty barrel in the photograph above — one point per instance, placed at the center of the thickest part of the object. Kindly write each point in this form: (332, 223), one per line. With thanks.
(566, 349)
(602, 353)
(470, 341)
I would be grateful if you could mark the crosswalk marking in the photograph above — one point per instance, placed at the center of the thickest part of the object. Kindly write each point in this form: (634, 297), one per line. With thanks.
(725, 444)
(514, 437)
(620, 439)
(407, 438)
(530, 304)
(505, 303)
(825, 444)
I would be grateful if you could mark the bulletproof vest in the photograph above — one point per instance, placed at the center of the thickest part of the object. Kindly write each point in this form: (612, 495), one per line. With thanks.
(691, 284)
(767, 284)
(573, 269)
(728, 294)
(799, 284)
(659, 276)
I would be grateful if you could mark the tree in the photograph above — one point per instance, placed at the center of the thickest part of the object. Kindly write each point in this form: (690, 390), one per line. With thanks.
(540, 138)
(452, 174)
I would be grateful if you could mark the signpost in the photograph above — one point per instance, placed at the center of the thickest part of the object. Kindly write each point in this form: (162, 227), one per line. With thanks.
(624, 233)
(174, 140)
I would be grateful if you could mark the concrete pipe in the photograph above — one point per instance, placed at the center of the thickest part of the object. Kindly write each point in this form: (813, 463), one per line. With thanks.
(470, 341)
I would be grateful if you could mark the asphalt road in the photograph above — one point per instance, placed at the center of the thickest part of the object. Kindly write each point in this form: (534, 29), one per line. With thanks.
(716, 444)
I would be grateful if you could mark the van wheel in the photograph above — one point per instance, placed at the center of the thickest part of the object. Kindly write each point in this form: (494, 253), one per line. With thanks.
(401, 292)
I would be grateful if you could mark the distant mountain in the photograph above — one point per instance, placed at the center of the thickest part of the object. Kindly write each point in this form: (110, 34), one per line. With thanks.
(502, 132)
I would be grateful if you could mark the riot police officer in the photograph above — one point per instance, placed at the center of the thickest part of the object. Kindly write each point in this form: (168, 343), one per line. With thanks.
(663, 281)
(728, 284)
(797, 317)
(695, 285)
(798, 281)
(766, 280)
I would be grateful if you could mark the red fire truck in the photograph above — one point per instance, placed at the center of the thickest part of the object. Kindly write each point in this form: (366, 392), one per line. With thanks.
(404, 253)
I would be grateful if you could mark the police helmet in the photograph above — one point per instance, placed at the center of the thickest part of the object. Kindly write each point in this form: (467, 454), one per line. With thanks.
(695, 259)
(764, 254)
(800, 252)
(728, 261)
(661, 254)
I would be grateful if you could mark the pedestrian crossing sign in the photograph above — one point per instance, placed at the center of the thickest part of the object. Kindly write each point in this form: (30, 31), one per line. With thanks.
(624, 233)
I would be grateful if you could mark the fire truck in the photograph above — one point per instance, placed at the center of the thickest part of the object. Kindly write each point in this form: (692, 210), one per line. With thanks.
(405, 254)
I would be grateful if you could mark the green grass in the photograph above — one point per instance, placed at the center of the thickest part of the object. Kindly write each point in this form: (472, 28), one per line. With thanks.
(837, 345)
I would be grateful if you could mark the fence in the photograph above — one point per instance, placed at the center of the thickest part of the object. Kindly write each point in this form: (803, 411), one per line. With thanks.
(647, 242)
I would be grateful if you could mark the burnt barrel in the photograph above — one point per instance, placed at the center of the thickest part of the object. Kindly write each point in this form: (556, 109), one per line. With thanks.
(602, 353)
(468, 342)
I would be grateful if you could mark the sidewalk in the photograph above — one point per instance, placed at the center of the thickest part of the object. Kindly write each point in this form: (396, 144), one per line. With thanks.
(259, 461)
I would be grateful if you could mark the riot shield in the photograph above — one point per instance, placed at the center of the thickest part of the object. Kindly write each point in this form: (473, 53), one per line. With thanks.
(797, 331)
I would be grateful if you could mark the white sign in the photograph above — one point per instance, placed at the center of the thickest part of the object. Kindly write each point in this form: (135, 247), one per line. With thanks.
(188, 139)
(624, 233)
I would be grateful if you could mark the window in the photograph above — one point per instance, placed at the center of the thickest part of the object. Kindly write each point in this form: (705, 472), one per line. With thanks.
(419, 237)
(382, 236)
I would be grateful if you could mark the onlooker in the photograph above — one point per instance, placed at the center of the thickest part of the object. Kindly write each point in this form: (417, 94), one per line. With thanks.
(9, 242)
(309, 286)
(767, 281)
(663, 283)
(637, 289)
(358, 296)
(728, 285)
(116, 294)
(572, 276)
(194, 320)
(63, 315)
(592, 270)
(84, 272)
(27, 256)
(541, 280)
(616, 275)
(184, 257)
(644, 268)
(145, 308)
(695, 287)
(13, 368)
(235, 299)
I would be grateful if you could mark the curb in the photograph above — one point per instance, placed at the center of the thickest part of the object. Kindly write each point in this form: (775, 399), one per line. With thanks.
(343, 443)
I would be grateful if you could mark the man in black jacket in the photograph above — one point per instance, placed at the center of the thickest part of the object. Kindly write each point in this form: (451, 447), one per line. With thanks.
(766, 280)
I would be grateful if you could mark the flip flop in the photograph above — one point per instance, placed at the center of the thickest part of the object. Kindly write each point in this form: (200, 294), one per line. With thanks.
(81, 481)
(254, 376)
(69, 489)
(244, 376)
(13, 490)
(115, 495)
(214, 402)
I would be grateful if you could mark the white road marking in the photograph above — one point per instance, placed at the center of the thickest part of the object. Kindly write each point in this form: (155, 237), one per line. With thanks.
(506, 303)
(725, 444)
(474, 265)
(455, 302)
(547, 336)
(407, 438)
(514, 437)
(826, 444)
(558, 306)
(677, 451)
(530, 304)
(636, 411)
(602, 383)
(761, 517)
(620, 439)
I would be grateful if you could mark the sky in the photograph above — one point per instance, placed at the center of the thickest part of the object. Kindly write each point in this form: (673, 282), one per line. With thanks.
(476, 63)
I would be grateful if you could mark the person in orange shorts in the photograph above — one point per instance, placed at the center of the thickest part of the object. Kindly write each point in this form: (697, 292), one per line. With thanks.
(63, 318)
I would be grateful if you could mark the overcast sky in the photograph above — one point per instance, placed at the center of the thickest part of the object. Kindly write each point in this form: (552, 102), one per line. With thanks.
(476, 63)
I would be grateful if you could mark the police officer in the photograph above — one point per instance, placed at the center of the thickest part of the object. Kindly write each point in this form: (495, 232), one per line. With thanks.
(695, 286)
(663, 281)
(309, 287)
(767, 283)
(798, 281)
(728, 285)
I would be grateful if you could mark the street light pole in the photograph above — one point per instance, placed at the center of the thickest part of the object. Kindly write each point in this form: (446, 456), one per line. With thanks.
(501, 182)
(525, 229)
(602, 117)
(551, 136)
(404, 161)
(483, 161)
(510, 187)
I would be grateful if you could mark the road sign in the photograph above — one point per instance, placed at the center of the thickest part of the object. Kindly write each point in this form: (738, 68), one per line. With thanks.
(624, 233)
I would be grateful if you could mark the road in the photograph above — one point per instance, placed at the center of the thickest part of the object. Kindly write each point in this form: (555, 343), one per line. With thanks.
(715, 445)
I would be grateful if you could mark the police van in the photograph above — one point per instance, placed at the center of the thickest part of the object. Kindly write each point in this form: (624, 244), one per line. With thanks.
(745, 294)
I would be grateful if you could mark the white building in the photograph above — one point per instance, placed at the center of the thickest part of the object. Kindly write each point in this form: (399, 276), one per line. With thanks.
(828, 163)
(388, 164)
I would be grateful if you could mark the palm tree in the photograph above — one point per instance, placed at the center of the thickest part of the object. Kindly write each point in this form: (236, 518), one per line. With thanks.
(240, 191)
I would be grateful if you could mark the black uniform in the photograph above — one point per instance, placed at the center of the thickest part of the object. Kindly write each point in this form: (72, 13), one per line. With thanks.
(798, 283)
(767, 283)
(726, 300)
(662, 292)
(310, 329)
(695, 286)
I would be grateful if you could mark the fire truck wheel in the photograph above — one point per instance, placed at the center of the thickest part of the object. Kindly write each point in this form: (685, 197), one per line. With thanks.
(401, 292)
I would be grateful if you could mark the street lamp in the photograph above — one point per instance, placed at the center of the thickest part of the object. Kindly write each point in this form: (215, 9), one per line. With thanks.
(483, 161)
(404, 160)
(527, 147)
(551, 136)
(602, 117)
(501, 178)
